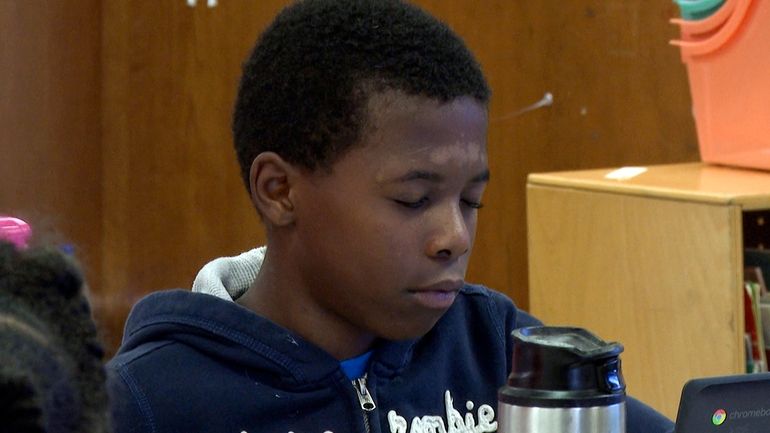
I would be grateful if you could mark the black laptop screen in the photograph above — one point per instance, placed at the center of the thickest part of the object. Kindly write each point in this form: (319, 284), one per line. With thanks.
(728, 404)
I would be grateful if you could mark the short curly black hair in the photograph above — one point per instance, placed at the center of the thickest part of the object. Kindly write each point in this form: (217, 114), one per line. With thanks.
(52, 377)
(305, 86)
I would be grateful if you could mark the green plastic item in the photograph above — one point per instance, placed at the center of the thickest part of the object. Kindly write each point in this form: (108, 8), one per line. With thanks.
(698, 9)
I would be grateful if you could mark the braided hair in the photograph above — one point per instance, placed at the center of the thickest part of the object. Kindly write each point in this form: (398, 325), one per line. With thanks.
(52, 377)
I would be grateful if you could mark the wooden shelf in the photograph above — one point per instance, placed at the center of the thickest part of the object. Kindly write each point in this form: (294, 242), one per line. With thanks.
(692, 181)
(654, 261)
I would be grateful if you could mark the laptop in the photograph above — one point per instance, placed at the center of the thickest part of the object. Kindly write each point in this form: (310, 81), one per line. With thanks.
(725, 404)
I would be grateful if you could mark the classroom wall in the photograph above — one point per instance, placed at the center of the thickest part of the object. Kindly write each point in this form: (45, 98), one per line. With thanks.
(50, 128)
(116, 115)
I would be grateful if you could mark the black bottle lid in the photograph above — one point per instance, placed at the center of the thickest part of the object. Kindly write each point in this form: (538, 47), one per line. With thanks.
(563, 367)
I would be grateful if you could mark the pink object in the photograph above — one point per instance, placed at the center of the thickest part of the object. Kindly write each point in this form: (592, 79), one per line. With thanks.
(729, 75)
(15, 231)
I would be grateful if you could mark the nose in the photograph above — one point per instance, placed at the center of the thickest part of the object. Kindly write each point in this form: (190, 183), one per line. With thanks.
(451, 237)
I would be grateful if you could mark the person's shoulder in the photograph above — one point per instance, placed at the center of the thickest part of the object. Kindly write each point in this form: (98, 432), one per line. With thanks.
(476, 295)
(172, 301)
(140, 378)
(166, 308)
(154, 324)
(142, 353)
(497, 305)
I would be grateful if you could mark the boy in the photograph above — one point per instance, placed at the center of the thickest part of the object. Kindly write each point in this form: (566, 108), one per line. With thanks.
(360, 128)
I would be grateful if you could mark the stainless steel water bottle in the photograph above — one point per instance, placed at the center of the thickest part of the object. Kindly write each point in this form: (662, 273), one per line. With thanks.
(563, 380)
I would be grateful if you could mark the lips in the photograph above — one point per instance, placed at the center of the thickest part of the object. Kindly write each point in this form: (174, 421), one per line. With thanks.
(439, 296)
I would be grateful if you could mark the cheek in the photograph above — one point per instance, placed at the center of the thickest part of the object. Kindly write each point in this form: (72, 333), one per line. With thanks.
(393, 237)
(363, 233)
(391, 248)
(471, 222)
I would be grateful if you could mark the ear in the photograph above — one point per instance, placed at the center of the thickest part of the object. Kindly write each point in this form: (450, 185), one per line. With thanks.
(271, 180)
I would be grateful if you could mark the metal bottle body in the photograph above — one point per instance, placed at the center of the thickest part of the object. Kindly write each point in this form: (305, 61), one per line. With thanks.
(595, 419)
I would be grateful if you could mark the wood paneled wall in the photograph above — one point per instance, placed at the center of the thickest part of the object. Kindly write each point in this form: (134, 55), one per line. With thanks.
(50, 122)
(173, 194)
(166, 195)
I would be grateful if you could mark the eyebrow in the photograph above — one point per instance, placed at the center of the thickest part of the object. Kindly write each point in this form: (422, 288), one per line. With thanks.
(435, 177)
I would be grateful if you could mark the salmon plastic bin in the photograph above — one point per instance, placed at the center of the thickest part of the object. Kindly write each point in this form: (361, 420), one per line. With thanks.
(692, 30)
(729, 75)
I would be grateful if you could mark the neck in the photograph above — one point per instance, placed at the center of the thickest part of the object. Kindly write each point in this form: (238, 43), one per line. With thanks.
(280, 294)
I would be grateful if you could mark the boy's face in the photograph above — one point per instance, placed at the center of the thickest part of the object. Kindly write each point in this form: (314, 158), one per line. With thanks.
(384, 240)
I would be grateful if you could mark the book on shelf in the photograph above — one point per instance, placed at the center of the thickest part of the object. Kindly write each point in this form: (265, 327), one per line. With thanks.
(754, 329)
(761, 308)
(756, 260)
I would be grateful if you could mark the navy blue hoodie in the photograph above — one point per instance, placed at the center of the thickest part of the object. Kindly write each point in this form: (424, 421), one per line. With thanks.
(193, 362)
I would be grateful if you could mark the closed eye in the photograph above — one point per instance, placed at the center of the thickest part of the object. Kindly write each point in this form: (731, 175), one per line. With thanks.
(413, 204)
(472, 204)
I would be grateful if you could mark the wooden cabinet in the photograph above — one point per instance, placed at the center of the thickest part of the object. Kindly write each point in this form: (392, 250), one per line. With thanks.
(653, 261)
